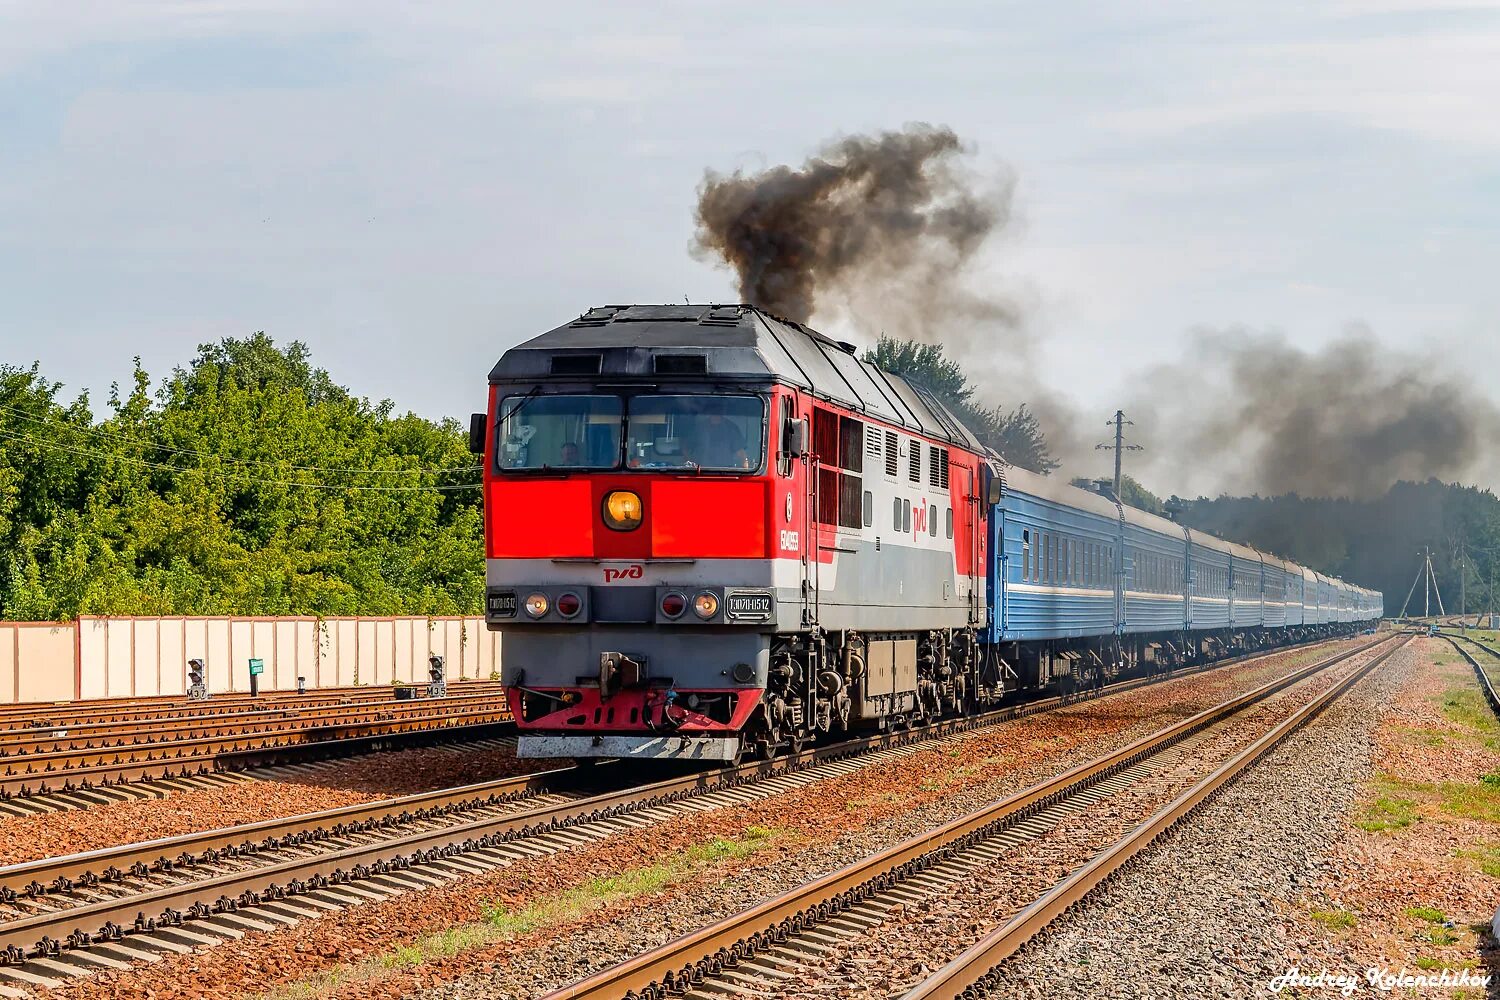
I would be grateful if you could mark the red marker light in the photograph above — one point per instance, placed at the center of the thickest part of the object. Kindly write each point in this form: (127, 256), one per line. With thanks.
(673, 605)
(569, 605)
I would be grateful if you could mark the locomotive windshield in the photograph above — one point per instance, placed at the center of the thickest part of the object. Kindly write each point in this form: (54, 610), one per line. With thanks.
(559, 432)
(677, 432)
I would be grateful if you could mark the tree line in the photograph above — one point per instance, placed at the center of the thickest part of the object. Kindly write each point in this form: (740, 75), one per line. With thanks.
(247, 482)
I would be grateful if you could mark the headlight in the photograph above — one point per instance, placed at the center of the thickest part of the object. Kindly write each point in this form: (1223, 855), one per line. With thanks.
(568, 605)
(536, 605)
(673, 605)
(705, 605)
(622, 510)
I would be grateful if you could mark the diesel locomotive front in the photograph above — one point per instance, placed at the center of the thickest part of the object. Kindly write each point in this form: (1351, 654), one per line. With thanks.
(711, 532)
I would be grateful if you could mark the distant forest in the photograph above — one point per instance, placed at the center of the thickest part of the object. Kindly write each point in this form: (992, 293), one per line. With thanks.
(1375, 543)
(249, 482)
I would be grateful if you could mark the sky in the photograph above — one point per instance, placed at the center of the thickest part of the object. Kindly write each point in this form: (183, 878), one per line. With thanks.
(411, 189)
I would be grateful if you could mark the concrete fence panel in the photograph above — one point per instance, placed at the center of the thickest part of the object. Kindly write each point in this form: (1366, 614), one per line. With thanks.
(37, 661)
(97, 657)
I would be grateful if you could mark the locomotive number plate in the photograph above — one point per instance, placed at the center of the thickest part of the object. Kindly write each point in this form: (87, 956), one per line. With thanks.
(748, 607)
(501, 605)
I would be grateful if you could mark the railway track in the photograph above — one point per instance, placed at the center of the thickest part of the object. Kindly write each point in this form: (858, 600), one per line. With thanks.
(81, 761)
(762, 949)
(25, 715)
(1486, 683)
(70, 916)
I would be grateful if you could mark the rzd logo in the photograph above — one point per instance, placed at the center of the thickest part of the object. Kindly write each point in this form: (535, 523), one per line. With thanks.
(628, 573)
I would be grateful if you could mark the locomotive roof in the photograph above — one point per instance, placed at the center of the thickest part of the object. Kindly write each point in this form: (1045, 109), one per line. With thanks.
(734, 342)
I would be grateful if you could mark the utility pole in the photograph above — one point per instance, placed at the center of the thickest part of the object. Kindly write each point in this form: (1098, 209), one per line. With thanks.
(1427, 577)
(1119, 447)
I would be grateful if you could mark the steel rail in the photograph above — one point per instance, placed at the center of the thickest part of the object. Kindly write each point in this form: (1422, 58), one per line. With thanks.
(974, 974)
(675, 966)
(1485, 684)
(54, 874)
(41, 715)
(110, 736)
(60, 874)
(84, 768)
(253, 737)
(106, 919)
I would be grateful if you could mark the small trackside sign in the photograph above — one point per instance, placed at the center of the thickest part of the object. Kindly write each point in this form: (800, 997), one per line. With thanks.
(747, 607)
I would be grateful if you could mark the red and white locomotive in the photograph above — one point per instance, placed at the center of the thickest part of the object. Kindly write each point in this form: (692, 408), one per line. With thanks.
(710, 531)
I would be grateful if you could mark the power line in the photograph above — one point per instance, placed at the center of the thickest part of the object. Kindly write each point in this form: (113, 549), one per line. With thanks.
(91, 453)
(117, 435)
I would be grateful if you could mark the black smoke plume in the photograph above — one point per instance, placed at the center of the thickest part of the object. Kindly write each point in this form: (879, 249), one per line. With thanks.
(1248, 411)
(883, 231)
(877, 228)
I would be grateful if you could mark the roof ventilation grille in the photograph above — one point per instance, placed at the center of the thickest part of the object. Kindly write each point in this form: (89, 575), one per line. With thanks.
(681, 364)
(576, 364)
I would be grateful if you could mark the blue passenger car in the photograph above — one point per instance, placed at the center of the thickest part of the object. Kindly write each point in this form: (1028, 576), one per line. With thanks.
(1055, 577)
(1155, 574)
(1082, 587)
(1244, 587)
(1208, 560)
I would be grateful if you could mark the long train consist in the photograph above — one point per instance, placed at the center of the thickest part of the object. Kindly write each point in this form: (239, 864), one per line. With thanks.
(712, 532)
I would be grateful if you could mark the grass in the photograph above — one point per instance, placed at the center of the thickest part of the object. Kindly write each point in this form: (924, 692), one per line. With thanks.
(1336, 919)
(1427, 913)
(504, 923)
(1434, 932)
(1473, 800)
(1487, 856)
(1466, 708)
(633, 883)
(1387, 813)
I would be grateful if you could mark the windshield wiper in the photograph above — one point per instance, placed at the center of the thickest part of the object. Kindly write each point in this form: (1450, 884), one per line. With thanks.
(520, 403)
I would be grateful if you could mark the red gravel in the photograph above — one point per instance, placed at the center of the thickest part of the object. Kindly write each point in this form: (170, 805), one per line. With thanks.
(984, 765)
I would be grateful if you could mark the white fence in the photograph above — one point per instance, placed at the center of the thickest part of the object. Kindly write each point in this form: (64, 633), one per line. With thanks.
(135, 657)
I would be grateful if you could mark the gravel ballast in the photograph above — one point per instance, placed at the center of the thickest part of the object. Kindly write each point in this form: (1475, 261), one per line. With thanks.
(1214, 909)
(388, 950)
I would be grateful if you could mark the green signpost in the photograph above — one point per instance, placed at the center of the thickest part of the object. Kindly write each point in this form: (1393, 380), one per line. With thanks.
(257, 667)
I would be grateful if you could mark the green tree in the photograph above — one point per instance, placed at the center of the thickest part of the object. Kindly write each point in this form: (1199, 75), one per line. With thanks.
(1015, 434)
(248, 482)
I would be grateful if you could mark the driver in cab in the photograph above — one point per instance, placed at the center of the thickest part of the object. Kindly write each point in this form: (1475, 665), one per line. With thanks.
(716, 443)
